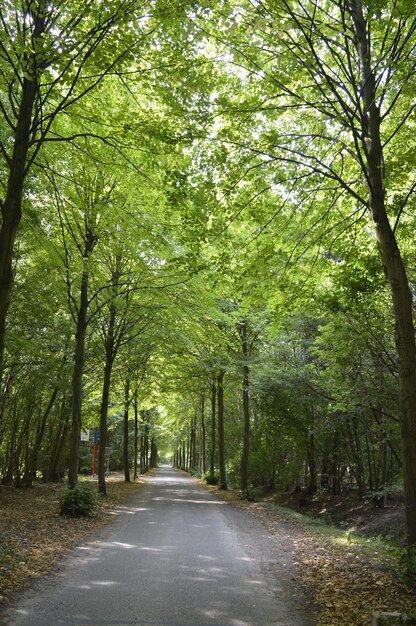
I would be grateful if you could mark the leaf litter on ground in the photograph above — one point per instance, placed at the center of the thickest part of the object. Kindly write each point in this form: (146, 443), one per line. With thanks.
(347, 577)
(34, 536)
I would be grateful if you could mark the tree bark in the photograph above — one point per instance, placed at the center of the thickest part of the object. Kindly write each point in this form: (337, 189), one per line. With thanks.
(213, 431)
(246, 409)
(126, 431)
(153, 453)
(77, 374)
(64, 416)
(109, 360)
(33, 460)
(11, 208)
(202, 454)
(221, 447)
(311, 454)
(393, 266)
(136, 436)
(192, 446)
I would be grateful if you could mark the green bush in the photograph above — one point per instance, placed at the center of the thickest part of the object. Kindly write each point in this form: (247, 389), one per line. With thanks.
(194, 472)
(211, 480)
(80, 500)
(254, 494)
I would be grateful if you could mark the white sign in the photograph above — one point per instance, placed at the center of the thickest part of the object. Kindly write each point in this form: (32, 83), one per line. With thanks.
(85, 434)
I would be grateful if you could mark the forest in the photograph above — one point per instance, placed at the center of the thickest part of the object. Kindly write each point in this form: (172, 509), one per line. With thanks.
(207, 251)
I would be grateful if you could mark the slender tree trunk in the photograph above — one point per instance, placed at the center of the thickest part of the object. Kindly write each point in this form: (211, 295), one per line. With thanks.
(146, 447)
(109, 360)
(136, 436)
(187, 453)
(311, 454)
(6, 391)
(357, 454)
(213, 431)
(11, 208)
(126, 431)
(202, 456)
(192, 445)
(246, 409)
(153, 453)
(221, 448)
(393, 265)
(53, 470)
(33, 460)
(77, 374)
(143, 437)
(23, 446)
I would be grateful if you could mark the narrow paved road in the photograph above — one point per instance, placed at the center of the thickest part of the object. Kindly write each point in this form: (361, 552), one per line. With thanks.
(176, 556)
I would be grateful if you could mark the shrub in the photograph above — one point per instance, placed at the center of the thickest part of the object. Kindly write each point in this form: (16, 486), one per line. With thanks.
(80, 500)
(211, 480)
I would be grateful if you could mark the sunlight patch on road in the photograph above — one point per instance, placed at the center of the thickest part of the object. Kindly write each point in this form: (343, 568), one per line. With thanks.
(207, 558)
(161, 549)
(168, 499)
(98, 583)
(254, 582)
(131, 510)
(117, 544)
(127, 546)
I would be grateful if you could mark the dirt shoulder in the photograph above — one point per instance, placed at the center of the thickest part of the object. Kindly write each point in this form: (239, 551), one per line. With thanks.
(347, 575)
(34, 536)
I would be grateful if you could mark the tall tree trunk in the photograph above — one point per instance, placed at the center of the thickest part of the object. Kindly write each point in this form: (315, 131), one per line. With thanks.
(77, 375)
(126, 431)
(136, 436)
(188, 453)
(311, 455)
(143, 435)
(5, 392)
(192, 445)
(221, 448)
(393, 265)
(146, 447)
(109, 360)
(202, 457)
(33, 460)
(213, 431)
(11, 207)
(153, 453)
(246, 409)
(53, 469)
(352, 424)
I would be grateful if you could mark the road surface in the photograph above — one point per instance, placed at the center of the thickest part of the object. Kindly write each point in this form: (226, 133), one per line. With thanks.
(175, 556)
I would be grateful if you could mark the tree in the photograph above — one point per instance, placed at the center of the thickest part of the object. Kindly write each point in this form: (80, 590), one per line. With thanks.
(79, 217)
(220, 419)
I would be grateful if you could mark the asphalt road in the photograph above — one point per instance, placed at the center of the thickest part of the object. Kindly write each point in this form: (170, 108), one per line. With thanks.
(175, 556)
